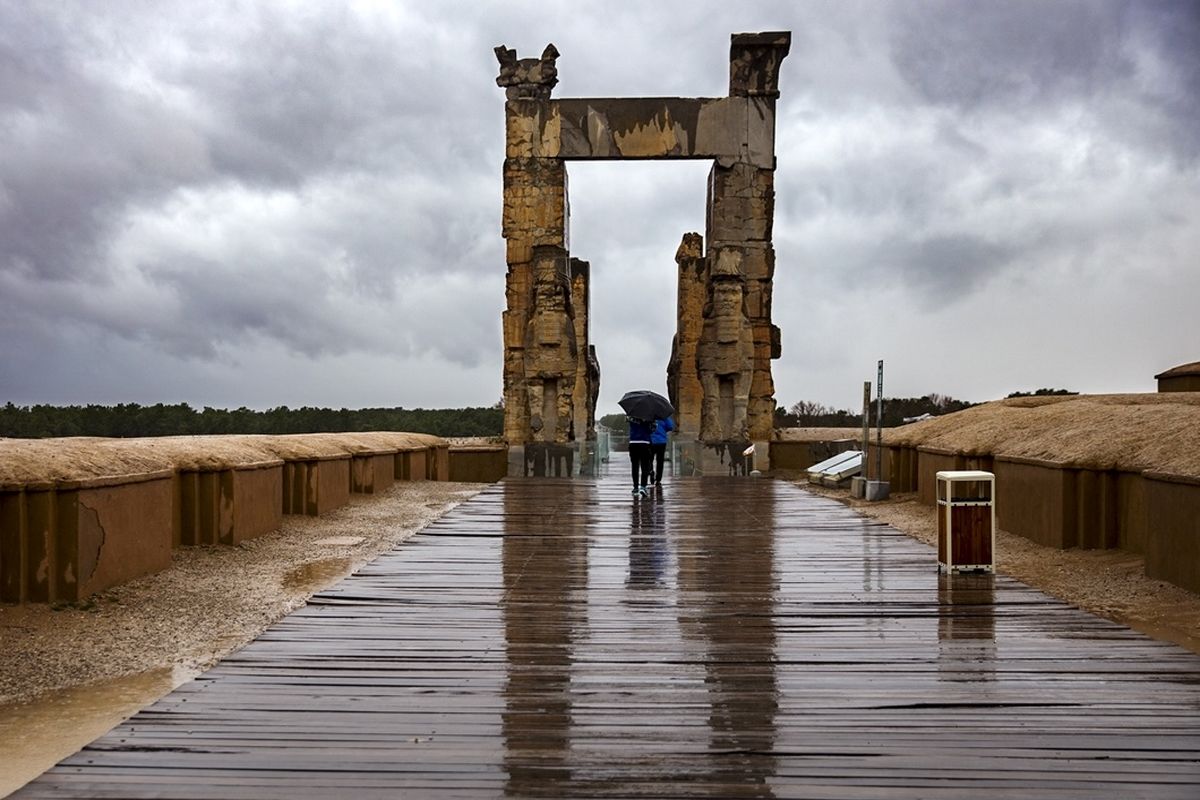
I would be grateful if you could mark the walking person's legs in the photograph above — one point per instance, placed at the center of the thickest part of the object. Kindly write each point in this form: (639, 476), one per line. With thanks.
(647, 459)
(639, 460)
(660, 454)
(635, 463)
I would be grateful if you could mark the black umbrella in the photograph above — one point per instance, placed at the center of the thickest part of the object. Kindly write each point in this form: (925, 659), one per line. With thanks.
(644, 404)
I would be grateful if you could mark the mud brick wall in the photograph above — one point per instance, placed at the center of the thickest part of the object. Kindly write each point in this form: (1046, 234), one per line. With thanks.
(478, 464)
(64, 540)
(227, 506)
(1173, 529)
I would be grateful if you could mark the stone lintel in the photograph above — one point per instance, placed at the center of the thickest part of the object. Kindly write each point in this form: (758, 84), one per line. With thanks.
(727, 129)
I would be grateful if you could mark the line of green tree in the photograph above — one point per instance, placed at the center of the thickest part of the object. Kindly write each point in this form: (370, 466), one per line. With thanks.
(896, 410)
(809, 414)
(131, 419)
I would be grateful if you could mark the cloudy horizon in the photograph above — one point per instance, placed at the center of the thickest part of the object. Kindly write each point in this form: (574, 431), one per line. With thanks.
(264, 204)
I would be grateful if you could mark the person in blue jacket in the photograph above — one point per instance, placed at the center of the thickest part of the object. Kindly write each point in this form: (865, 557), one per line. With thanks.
(639, 454)
(658, 446)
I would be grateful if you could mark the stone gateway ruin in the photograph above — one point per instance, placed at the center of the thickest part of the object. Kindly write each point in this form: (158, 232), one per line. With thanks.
(719, 376)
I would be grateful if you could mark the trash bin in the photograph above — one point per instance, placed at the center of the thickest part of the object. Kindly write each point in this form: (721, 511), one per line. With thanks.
(966, 521)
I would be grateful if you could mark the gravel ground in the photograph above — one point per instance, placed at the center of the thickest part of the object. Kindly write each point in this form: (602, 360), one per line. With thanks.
(212, 600)
(1110, 583)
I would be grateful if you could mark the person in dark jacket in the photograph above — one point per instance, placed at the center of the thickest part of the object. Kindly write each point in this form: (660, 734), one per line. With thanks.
(639, 454)
(658, 446)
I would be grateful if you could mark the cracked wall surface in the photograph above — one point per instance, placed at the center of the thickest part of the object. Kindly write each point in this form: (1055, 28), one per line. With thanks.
(720, 370)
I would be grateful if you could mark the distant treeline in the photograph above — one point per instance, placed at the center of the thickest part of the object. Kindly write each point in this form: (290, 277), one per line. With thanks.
(896, 410)
(807, 414)
(131, 419)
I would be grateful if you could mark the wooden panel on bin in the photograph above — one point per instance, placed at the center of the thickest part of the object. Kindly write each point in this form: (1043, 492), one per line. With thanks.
(942, 518)
(972, 534)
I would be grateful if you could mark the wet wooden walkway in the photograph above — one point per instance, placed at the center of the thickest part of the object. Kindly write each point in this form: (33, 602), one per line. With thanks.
(733, 638)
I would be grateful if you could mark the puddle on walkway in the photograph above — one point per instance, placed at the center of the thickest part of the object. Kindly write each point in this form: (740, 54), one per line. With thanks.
(1164, 633)
(316, 575)
(40, 733)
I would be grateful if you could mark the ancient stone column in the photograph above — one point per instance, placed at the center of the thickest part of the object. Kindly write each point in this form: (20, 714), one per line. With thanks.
(535, 216)
(741, 213)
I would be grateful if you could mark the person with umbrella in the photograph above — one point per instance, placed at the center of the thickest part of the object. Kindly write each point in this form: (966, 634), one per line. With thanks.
(643, 407)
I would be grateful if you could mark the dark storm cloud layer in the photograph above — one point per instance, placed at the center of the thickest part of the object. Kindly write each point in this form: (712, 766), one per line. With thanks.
(1142, 56)
(232, 191)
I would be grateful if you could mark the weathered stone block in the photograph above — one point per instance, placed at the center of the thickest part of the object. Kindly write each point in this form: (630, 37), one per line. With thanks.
(742, 204)
(535, 207)
(758, 299)
(532, 129)
(754, 61)
(758, 261)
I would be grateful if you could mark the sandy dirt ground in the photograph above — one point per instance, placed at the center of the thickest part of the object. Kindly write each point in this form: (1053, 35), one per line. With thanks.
(1110, 583)
(70, 673)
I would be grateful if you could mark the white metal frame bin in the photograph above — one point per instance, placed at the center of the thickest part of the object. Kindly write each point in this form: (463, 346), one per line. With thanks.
(966, 521)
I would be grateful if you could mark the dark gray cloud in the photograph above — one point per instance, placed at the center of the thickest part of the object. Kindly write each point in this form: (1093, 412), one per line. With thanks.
(1019, 53)
(197, 200)
(1134, 65)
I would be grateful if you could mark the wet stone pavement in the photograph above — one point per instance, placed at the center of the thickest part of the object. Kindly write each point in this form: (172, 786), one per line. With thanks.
(728, 638)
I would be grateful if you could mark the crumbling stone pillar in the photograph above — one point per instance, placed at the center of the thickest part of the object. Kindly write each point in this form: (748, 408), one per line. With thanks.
(535, 216)
(540, 340)
(741, 214)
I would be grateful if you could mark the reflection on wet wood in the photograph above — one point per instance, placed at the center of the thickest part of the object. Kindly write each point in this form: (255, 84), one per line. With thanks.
(732, 638)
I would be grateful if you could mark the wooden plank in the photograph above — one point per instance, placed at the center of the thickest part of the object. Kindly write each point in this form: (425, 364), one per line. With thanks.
(731, 638)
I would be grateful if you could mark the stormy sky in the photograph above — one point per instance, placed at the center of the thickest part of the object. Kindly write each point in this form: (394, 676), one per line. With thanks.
(298, 203)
